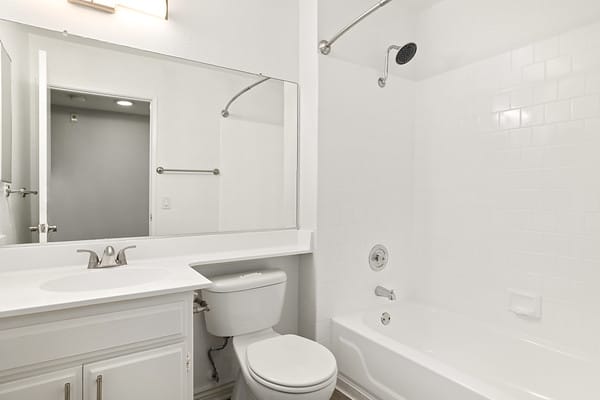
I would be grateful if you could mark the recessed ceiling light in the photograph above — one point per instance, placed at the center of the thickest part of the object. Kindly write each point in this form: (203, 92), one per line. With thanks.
(124, 103)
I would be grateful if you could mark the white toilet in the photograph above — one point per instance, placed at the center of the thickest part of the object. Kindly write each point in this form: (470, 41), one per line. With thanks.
(273, 367)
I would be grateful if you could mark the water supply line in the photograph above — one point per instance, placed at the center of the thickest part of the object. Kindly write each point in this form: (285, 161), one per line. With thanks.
(200, 306)
(215, 375)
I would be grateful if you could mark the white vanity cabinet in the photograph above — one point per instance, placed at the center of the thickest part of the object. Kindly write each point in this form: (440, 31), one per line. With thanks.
(158, 374)
(126, 350)
(59, 385)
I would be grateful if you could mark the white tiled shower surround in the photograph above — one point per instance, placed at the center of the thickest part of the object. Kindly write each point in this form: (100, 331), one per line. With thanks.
(507, 188)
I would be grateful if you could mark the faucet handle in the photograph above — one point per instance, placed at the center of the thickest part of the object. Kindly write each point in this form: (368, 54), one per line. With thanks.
(93, 260)
(122, 257)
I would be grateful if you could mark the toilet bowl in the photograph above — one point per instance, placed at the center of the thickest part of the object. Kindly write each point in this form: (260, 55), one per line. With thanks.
(272, 366)
(283, 367)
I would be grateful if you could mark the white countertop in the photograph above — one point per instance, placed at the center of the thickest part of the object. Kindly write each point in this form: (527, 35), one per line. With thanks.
(26, 292)
(26, 270)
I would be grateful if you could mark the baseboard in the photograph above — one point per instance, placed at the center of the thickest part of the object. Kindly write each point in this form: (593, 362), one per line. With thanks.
(352, 390)
(344, 385)
(219, 393)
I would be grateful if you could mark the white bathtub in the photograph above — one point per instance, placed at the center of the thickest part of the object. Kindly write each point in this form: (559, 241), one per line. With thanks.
(429, 354)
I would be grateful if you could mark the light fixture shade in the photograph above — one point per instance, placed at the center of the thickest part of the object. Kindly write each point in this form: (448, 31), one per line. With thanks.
(102, 5)
(158, 8)
(105, 3)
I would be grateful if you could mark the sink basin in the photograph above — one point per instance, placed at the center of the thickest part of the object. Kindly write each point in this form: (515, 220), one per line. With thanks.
(104, 279)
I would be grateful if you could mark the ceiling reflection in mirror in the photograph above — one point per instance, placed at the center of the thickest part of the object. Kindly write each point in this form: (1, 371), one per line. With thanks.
(101, 141)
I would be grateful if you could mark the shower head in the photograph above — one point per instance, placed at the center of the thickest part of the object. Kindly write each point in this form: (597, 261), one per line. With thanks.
(405, 54)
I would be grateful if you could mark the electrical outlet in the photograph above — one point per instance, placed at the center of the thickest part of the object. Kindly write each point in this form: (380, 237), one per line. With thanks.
(165, 203)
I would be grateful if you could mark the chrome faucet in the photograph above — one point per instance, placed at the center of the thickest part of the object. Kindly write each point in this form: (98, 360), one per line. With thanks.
(383, 292)
(108, 260)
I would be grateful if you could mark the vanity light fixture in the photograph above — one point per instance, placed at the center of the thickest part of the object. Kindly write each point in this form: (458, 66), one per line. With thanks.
(157, 8)
(124, 103)
(101, 5)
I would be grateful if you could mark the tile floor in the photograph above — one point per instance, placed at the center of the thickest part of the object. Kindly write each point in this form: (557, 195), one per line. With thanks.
(338, 396)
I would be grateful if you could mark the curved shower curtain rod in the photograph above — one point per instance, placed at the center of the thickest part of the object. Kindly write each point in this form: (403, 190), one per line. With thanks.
(325, 45)
(225, 112)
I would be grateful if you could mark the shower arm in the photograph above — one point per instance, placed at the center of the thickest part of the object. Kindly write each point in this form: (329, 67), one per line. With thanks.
(225, 112)
(325, 45)
(383, 80)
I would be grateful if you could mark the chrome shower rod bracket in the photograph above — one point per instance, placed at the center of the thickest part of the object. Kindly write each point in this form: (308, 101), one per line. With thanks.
(325, 45)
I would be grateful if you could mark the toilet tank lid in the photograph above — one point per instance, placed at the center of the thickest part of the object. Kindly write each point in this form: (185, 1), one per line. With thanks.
(246, 281)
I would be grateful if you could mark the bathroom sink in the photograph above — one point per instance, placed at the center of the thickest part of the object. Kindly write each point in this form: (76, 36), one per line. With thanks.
(104, 279)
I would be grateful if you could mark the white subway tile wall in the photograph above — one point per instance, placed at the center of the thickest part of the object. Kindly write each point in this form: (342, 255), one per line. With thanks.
(507, 188)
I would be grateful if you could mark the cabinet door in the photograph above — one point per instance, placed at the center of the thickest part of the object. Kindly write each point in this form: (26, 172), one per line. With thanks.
(59, 385)
(159, 374)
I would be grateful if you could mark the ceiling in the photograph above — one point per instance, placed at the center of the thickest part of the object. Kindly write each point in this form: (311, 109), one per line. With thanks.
(417, 5)
(95, 102)
(450, 33)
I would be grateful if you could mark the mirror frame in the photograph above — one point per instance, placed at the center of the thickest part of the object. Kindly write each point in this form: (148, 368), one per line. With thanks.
(6, 110)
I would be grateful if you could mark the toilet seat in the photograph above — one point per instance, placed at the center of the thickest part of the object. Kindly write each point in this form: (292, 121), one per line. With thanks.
(291, 364)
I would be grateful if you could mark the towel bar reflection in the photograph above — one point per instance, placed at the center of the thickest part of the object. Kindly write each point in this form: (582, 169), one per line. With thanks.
(161, 170)
(23, 192)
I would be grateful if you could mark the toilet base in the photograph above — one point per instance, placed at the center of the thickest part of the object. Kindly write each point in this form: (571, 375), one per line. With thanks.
(241, 391)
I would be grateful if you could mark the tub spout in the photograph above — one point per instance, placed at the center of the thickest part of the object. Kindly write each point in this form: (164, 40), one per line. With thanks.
(383, 292)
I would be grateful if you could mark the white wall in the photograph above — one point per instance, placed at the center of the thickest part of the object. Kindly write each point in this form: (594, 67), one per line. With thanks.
(364, 147)
(308, 142)
(365, 182)
(98, 180)
(14, 211)
(455, 33)
(251, 156)
(507, 188)
(259, 36)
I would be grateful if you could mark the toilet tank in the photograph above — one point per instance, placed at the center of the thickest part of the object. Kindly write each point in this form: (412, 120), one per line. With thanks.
(245, 302)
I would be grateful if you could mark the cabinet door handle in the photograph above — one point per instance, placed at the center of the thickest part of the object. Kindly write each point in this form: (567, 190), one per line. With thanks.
(99, 387)
(67, 391)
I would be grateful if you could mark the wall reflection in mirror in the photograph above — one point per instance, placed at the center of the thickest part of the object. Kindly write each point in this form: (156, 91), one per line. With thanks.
(101, 141)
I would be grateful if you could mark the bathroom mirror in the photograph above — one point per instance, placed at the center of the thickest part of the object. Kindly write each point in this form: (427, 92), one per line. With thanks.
(115, 142)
